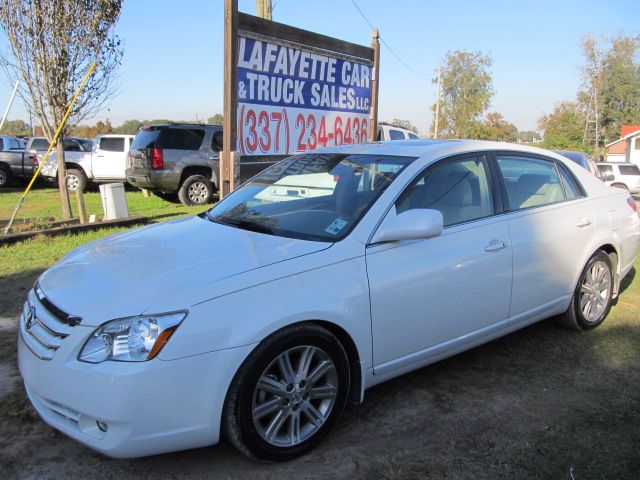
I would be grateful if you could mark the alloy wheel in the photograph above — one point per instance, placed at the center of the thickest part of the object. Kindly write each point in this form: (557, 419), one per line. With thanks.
(294, 396)
(198, 192)
(595, 291)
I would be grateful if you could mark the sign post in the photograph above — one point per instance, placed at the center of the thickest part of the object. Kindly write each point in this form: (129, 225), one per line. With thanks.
(229, 139)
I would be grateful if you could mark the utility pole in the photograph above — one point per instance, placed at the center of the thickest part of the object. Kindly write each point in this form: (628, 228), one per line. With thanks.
(263, 7)
(435, 125)
(6, 112)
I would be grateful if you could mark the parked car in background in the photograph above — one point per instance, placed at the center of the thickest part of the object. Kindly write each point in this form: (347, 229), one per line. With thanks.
(176, 160)
(625, 175)
(105, 160)
(392, 132)
(9, 143)
(582, 159)
(23, 163)
(260, 318)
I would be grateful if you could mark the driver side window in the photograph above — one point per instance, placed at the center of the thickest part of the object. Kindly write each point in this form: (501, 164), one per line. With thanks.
(458, 188)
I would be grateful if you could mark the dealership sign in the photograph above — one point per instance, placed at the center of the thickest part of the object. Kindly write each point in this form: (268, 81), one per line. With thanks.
(289, 90)
(292, 99)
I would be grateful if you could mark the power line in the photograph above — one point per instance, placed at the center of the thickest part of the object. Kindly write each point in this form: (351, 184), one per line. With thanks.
(407, 66)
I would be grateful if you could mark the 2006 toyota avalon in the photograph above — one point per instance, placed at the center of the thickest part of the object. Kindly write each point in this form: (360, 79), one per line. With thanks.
(324, 275)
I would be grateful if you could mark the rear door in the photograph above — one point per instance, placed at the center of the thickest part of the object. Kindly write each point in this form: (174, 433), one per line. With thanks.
(139, 158)
(109, 158)
(550, 222)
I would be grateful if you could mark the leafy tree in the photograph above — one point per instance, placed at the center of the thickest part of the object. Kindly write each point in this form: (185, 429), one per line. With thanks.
(614, 76)
(88, 131)
(53, 44)
(564, 127)
(406, 124)
(466, 92)
(217, 119)
(529, 136)
(130, 127)
(15, 127)
(496, 128)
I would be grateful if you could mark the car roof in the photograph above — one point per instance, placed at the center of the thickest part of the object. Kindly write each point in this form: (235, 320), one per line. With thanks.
(437, 148)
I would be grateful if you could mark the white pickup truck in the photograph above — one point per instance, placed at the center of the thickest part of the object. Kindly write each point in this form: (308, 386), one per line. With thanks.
(106, 162)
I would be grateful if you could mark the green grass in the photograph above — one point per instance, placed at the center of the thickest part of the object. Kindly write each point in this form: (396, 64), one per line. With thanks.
(43, 202)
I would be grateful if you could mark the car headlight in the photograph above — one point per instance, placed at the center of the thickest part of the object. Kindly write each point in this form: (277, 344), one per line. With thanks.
(134, 339)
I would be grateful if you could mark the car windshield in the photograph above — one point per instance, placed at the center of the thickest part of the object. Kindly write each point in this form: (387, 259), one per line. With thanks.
(317, 197)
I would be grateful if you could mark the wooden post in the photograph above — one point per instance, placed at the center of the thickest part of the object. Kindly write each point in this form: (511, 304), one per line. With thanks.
(82, 211)
(229, 142)
(375, 84)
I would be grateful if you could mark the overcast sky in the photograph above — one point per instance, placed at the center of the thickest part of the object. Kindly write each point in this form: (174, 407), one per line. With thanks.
(173, 62)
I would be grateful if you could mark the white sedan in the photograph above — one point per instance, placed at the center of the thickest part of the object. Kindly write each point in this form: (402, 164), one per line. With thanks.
(260, 318)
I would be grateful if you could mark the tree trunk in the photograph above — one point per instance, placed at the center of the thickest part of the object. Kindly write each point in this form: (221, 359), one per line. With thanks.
(65, 206)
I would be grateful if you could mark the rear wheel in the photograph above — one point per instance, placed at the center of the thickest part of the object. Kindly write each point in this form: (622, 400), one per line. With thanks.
(195, 190)
(76, 180)
(6, 177)
(593, 296)
(288, 394)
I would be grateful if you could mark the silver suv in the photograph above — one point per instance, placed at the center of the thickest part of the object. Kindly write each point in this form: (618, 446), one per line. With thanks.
(180, 159)
(626, 175)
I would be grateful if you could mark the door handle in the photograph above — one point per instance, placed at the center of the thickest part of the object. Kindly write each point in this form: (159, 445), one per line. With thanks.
(495, 245)
(583, 222)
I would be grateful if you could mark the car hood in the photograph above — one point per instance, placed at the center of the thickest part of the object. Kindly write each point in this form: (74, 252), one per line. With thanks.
(160, 265)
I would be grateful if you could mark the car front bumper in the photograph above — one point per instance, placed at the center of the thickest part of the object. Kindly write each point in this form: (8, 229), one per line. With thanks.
(127, 409)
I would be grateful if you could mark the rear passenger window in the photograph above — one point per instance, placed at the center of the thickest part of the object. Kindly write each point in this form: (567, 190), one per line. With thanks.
(40, 144)
(571, 186)
(530, 182)
(112, 144)
(395, 134)
(216, 141)
(181, 138)
(458, 188)
(629, 170)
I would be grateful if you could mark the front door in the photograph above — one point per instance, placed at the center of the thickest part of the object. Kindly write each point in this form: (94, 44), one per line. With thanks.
(425, 293)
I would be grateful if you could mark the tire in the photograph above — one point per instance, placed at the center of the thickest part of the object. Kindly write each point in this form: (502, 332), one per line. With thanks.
(76, 180)
(6, 177)
(272, 415)
(195, 190)
(593, 296)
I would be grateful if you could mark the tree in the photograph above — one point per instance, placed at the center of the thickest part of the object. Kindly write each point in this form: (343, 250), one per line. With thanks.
(564, 127)
(611, 83)
(406, 124)
(16, 127)
(130, 127)
(466, 92)
(217, 119)
(529, 136)
(53, 44)
(496, 128)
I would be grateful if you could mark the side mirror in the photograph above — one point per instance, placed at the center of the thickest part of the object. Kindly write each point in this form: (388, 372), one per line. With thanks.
(415, 224)
(608, 177)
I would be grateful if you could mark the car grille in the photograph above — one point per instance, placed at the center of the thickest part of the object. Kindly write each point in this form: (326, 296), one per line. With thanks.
(44, 326)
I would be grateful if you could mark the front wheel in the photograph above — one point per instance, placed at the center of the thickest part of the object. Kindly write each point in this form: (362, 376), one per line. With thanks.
(288, 394)
(593, 296)
(195, 190)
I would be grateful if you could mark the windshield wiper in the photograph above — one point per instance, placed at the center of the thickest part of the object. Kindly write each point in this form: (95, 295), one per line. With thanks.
(243, 224)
